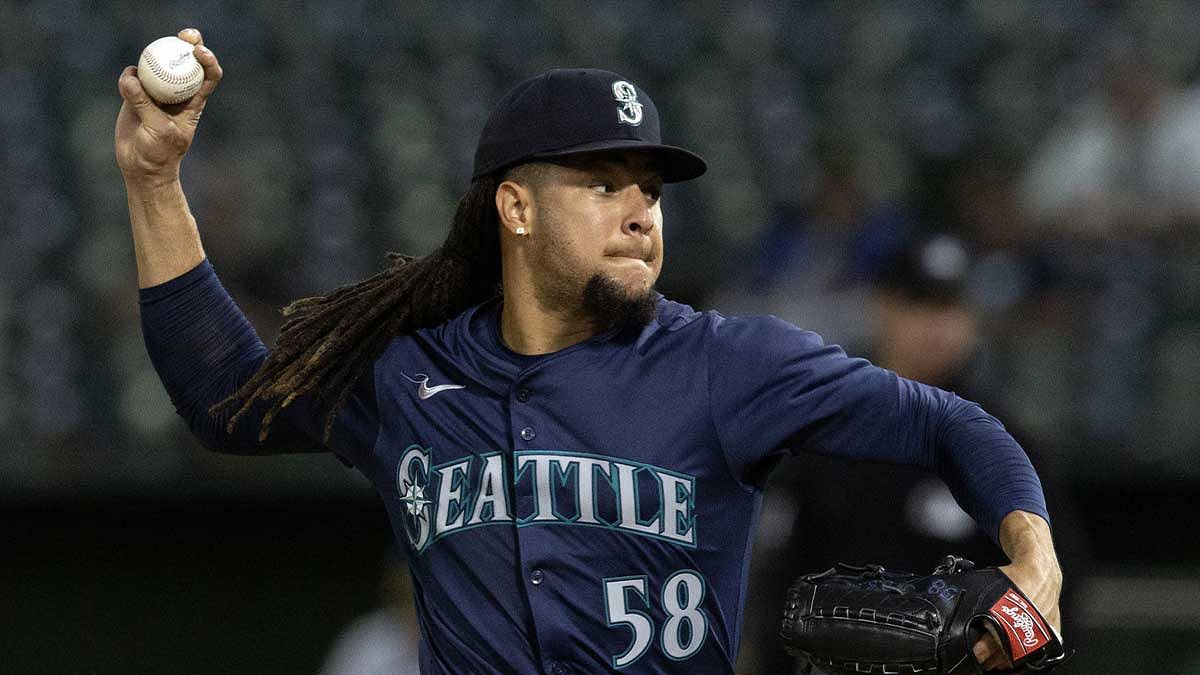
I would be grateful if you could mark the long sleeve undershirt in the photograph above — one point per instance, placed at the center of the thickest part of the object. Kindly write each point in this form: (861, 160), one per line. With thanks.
(203, 349)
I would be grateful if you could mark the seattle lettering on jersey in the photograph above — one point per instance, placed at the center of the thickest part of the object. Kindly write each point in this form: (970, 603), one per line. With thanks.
(554, 488)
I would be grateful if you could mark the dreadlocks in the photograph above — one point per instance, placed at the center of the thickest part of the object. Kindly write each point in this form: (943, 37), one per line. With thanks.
(329, 341)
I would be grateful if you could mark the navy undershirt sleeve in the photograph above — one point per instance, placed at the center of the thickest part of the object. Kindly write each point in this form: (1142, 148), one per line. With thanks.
(203, 348)
(775, 386)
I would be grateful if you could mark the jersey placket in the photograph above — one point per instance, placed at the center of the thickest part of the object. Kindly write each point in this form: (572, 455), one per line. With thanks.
(534, 545)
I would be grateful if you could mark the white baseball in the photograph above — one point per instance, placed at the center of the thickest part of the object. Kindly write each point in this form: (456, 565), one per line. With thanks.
(169, 71)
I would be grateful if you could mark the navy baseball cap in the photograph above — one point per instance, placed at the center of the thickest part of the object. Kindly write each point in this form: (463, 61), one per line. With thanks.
(931, 267)
(573, 111)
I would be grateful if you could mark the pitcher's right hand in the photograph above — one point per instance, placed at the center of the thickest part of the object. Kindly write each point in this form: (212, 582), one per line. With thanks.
(151, 138)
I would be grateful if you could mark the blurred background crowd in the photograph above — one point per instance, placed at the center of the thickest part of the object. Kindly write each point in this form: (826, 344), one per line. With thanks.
(1000, 198)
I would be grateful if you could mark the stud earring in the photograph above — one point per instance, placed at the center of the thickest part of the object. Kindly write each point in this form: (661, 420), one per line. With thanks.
(521, 230)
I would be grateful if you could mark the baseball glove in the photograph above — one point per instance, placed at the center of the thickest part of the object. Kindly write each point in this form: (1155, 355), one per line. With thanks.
(865, 619)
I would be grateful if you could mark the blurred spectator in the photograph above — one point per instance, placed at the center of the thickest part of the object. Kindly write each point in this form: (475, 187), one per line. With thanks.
(1127, 160)
(923, 329)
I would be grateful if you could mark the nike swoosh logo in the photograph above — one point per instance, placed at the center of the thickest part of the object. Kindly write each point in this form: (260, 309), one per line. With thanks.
(425, 391)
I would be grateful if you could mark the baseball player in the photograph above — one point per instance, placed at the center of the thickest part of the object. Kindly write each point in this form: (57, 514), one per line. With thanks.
(571, 462)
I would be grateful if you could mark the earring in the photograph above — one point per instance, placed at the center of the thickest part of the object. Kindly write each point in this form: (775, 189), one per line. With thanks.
(521, 230)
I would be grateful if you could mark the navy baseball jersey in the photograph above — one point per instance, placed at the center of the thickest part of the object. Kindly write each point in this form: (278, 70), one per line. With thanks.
(592, 509)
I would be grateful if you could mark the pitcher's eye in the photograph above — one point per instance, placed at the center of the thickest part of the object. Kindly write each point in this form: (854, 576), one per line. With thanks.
(603, 187)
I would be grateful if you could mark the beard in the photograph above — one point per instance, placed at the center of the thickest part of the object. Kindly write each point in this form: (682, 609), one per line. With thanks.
(611, 307)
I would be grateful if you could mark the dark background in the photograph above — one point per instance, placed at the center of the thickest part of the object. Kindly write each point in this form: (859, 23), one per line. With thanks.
(1059, 141)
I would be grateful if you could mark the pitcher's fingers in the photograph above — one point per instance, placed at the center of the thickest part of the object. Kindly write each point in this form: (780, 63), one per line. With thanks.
(212, 76)
(131, 90)
(982, 651)
(989, 653)
(191, 35)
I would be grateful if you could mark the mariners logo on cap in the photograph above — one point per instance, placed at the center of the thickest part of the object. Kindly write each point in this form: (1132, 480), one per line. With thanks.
(630, 110)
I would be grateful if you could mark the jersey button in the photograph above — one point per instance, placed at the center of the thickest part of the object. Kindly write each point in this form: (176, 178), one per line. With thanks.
(559, 669)
(522, 395)
(536, 577)
(527, 434)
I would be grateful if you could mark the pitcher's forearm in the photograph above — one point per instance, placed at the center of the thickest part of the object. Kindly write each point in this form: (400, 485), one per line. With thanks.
(1026, 540)
(1026, 537)
(166, 241)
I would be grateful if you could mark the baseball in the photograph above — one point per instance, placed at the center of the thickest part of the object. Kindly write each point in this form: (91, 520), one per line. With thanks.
(169, 71)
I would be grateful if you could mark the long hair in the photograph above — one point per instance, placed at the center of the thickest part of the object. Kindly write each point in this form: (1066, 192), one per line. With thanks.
(329, 341)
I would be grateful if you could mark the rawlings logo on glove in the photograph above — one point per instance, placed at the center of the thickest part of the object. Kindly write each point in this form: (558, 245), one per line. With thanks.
(865, 619)
(1026, 630)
